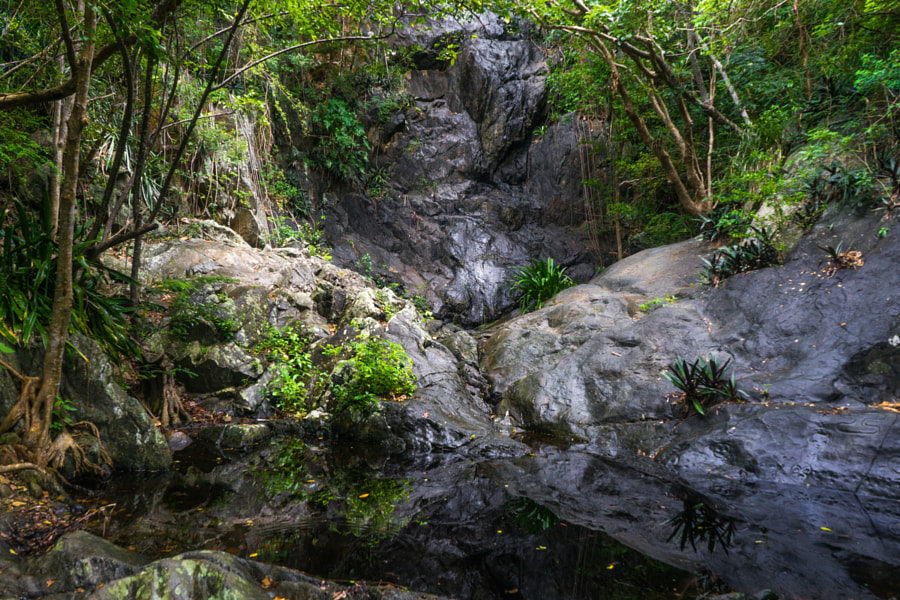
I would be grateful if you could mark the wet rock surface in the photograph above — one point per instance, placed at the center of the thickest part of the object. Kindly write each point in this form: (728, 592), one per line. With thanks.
(472, 191)
(82, 565)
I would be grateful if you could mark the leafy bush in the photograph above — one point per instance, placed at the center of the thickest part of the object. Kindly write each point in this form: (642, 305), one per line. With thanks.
(754, 253)
(28, 280)
(538, 282)
(382, 369)
(703, 383)
(343, 148)
(725, 223)
(294, 373)
(284, 229)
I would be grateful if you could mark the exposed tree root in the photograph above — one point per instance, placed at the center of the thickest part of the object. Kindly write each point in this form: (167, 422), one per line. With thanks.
(163, 398)
(39, 450)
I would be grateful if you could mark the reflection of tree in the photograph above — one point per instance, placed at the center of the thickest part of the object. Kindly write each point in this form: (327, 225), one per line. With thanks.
(701, 522)
(531, 516)
(357, 500)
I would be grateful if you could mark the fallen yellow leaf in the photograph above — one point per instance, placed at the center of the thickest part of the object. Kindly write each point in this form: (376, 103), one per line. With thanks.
(363, 495)
(254, 555)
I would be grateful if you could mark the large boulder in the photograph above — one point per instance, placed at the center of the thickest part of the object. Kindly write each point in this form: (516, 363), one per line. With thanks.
(126, 429)
(591, 356)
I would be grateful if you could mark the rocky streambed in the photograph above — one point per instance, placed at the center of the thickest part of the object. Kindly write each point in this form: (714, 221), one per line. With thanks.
(793, 490)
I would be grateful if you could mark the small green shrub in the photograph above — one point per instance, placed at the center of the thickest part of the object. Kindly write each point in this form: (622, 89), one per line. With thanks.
(284, 229)
(61, 417)
(294, 373)
(382, 369)
(703, 383)
(189, 306)
(725, 224)
(538, 282)
(658, 303)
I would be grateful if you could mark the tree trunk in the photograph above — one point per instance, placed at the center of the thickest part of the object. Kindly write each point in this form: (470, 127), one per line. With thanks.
(38, 435)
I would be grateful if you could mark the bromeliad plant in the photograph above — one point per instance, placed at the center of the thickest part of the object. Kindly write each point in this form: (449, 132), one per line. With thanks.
(538, 282)
(755, 253)
(703, 383)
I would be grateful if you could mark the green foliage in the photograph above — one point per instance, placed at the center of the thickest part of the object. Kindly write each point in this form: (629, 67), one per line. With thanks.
(538, 282)
(658, 303)
(703, 383)
(285, 229)
(725, 223)
(751, 254)
(61, 414)
(28, 279)
(878, 75)
(531, 516)
(381, 369)
(20, 154)
(421, 304)
(343, 148)
(294, 373)
(199, 301)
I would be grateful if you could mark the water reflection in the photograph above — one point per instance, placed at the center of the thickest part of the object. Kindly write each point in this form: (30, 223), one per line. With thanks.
(523, 528)
(700, 522)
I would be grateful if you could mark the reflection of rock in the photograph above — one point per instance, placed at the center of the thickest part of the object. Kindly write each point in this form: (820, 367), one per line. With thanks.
(800, 541)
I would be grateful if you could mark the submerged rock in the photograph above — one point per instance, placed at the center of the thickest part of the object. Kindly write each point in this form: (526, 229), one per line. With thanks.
(85, 566)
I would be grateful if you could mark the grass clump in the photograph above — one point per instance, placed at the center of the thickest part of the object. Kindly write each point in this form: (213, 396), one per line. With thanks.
(753, 253)
(539, 281)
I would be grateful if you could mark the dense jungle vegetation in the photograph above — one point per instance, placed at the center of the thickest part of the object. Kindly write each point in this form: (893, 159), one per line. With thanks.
(738, 119)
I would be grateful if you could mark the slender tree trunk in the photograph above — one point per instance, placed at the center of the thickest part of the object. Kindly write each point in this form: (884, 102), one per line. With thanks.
(61, 111)
(38, 436)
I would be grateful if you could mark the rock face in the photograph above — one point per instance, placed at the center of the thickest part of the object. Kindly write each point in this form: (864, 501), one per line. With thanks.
(591, 357)
(816, 355)
(472, 191)
(251, 288)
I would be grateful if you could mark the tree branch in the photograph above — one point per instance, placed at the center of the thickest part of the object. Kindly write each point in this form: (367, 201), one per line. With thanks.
(67, 88)
(64, 33)
(272, 55)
